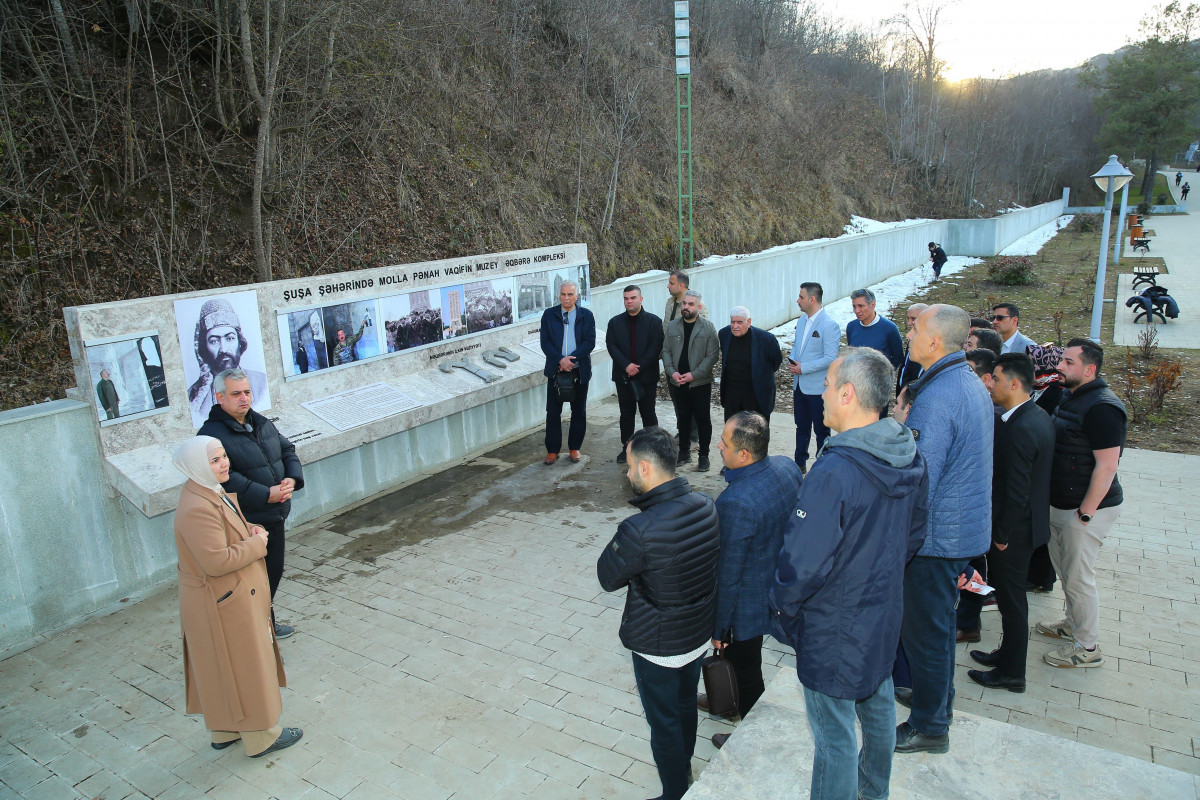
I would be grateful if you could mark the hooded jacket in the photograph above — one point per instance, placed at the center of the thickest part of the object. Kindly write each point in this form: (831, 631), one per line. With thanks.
(838, 594)
(667, 556)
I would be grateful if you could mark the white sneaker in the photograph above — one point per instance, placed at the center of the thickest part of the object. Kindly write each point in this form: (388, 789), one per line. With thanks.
(1062, 629)
(1074, 655)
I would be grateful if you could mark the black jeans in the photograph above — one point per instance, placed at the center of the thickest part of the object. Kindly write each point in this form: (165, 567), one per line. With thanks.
(630, 405)
(746, 657)
(554, 418)
(669, 700)
(694, 403)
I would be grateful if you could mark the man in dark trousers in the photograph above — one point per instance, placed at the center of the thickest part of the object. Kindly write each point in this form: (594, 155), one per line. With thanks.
(263, 468)
(106, 390)
(1085, 498)
(678, 284)
(749, 358)
(568, 335)
(634, 340)
(689, 356)
(754, 509)
(839, 584)
(665, 557)
(868, 329)
(1023, 454)
(815, 347)
(937, 257)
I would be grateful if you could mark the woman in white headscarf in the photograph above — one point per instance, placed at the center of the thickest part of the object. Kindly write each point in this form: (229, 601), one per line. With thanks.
(232, 667)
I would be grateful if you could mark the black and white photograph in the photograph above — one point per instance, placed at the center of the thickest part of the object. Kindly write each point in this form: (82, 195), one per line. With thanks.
(537, 291)
(217, 333)
(489, 304)
(302, 338)
(411, 320)
(127, 377)
(584, 279)
(350, 332)
(454, 312)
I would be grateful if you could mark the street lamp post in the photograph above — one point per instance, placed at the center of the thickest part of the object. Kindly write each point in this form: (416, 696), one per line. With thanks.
(1110, 177)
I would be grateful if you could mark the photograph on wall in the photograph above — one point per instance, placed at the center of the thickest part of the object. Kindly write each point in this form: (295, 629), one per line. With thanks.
(350, 332)
(302, 339)
(538, 291)
(411, 320)
(583, 278)
(454, 312)
(216, 334)
(127, 377)
(489, 304)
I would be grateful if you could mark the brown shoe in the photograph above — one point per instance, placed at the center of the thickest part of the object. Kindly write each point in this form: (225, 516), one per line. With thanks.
(702, 701)
(719, 740)
(575, 456)
(966, 636)
(550, 458)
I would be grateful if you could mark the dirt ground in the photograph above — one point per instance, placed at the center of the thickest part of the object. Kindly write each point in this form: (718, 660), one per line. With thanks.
(1066, 269)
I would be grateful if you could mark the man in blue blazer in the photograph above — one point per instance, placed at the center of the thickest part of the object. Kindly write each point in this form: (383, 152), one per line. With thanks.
(817, 339)
(749, 358)
(568, 336)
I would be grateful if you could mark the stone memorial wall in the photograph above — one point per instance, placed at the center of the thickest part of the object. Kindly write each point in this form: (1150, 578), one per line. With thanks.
(334, 361)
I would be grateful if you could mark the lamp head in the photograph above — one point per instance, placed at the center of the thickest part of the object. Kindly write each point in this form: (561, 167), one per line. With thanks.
(1114, 170)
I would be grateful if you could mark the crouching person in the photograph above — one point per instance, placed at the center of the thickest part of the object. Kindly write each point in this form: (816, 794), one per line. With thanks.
(839, 582)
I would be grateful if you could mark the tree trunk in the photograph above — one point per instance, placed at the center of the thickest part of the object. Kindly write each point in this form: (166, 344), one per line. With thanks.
(68, 45)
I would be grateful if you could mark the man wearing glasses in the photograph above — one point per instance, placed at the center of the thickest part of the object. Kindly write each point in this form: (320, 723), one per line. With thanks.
(568, 335)
(1005, 319)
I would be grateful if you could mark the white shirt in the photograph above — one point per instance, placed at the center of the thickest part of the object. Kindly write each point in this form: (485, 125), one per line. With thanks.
(808, 325)
(1007, 346)
(872, 322)
(1009, 413)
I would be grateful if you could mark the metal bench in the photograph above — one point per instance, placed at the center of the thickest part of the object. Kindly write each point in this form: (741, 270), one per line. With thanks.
(1141, 244)
(1145, 274)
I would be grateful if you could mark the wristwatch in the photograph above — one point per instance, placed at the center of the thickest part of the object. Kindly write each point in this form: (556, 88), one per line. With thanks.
(1084, 518)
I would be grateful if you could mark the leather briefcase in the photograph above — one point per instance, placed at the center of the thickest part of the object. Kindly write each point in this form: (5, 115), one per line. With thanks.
(566, 384)
(720, 684)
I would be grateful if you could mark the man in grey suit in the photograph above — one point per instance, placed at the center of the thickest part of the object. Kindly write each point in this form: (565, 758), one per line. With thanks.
(1005, 319)
(816, 347)
(689, 354)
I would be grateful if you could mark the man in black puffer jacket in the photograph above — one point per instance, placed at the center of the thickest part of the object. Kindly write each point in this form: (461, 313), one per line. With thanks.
(263, 468)
(667, 556)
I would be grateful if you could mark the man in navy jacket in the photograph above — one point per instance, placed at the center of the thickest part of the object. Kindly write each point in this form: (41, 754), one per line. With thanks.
(754, 510)
(568, 335)
(749, 358)
(859, 518)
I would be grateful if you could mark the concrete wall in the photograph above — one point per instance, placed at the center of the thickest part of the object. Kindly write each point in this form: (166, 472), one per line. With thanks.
(70, 547)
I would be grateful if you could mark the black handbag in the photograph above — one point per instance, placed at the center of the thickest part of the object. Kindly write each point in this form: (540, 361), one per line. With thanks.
(565, 384)
(720, 684)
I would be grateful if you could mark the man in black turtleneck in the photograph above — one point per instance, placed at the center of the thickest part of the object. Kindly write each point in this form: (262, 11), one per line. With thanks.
(634, 340)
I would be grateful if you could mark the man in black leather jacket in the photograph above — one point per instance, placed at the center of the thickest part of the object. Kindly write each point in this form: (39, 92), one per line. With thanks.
(667, 557)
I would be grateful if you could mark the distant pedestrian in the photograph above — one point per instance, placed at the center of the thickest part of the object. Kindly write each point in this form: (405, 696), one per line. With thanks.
(1178, 177)
(938, 256)
(665, 557)
(1187, 187)
(749, 358)
(860, 517)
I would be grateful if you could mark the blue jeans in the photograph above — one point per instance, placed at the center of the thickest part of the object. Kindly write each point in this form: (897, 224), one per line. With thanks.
(927, 633)
(831, 719)
(669, 700)
(809, 413)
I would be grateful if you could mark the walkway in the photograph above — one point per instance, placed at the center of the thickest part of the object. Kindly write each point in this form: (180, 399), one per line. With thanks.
(453, 643)
(1175, 240)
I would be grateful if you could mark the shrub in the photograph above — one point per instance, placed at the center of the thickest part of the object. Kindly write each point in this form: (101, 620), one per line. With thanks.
(1162, 200)
(1011, 270)
(1085, 223)
(1143, 207)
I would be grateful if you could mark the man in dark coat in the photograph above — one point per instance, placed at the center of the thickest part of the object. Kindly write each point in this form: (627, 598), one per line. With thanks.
(938, 257)
(635, 341)
(749, 358)
(666, 559)
(1023, 454)
(106, 390)
(263, 468)
(568, 335)
(754, 510)
(839, 584)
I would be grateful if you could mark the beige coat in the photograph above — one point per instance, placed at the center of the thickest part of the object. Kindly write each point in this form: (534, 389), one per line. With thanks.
(232, 667)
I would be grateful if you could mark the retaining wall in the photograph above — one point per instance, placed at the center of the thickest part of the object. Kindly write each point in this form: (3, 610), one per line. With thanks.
(70, 547)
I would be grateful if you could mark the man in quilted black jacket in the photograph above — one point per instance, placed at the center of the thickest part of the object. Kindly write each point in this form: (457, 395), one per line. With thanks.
(666, 557)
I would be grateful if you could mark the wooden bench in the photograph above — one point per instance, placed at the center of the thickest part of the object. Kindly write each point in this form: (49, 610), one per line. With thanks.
(1145, 274)
(1141, 244)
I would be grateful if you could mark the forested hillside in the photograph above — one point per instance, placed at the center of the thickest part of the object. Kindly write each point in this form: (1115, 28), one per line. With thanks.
(154, 147)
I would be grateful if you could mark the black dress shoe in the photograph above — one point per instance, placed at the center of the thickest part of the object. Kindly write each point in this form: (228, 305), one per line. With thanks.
(904, 698)
(719, 740)
(908, 740)
(986, 659)
(223, 745)
(994, 680)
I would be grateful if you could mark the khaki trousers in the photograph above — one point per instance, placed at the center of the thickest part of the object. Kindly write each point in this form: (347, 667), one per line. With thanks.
(1073, 550)
(253, 742)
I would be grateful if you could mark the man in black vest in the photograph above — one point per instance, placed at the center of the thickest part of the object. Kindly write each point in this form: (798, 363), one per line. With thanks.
(1021, 459)
(635, 341)
(1085, 497)
(666, 559)
(263, 468)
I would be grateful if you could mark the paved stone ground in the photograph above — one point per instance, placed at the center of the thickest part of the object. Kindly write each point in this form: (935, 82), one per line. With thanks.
(453, 643)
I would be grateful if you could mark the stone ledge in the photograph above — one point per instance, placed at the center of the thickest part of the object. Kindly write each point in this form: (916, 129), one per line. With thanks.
(769, 757)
